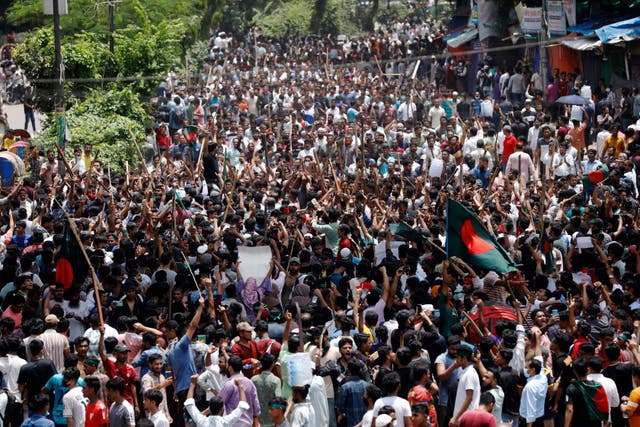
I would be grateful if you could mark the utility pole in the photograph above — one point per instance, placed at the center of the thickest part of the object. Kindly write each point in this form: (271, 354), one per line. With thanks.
(59, 84)
(544, 63)
(112, 7)
(57, 62)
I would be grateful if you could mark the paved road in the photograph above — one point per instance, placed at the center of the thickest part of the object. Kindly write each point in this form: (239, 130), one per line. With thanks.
(15, 115)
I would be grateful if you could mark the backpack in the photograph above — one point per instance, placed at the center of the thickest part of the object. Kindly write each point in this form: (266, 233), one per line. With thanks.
(595, 398)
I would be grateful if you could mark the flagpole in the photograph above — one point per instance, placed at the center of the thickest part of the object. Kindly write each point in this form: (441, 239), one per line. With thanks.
(94, 277)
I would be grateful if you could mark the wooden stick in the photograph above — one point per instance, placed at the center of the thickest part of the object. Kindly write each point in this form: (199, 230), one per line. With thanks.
(94, 277)
(64, 160)
(190, 271)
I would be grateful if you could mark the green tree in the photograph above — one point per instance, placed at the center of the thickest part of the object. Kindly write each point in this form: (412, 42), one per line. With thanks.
(105, 119)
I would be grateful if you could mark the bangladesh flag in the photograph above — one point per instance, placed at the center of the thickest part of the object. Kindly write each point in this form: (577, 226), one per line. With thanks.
(596, 176)
(71, 266)
(468, 239)
(595, 398)
(546, 247)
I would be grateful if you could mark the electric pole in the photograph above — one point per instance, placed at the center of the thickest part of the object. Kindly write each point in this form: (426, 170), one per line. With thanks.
(57, 62)
(112, 7)
(544, 65)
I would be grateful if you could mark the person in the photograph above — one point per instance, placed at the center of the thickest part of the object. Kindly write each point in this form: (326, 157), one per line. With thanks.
(468, 390)
(268, 386)
(302, 414)
(151, 401)
(73, 400)
(216, 407)
(277, 409)
(481, 416)
(56, 345)
(34, 375)
(351, 407)
(180, 357)
(155, 380)
(121, 369)
(121, 413)
(391, 387)
(587, 403)
(96, 412)
(230, 394)
(39, 404)
(57, 386)
(534, 393)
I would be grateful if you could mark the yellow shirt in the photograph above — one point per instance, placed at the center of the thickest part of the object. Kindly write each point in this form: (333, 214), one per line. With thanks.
(632, 408)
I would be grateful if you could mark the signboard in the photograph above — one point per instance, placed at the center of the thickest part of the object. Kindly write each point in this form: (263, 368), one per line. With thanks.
(569, 7)
(556, 21)
(47, 7)
(531, 22)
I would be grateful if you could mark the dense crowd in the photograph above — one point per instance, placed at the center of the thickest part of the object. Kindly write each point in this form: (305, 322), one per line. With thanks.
(343, 172)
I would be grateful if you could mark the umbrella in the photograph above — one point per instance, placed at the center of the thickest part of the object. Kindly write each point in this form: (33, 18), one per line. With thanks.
(571, 100)
(18, 144)
(22, 133)
(18, 164)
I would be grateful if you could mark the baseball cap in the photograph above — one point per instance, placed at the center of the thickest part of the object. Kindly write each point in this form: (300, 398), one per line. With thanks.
(121, 348)
(51, 318)
(295, 260)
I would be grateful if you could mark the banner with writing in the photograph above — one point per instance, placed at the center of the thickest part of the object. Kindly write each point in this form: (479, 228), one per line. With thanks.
(531, 22)
(556, 21)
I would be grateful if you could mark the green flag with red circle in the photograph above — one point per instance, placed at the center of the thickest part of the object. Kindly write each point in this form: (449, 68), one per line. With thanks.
(468, 239)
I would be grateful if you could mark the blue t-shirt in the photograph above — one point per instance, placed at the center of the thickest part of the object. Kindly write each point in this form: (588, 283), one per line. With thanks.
(55, 385)
(181, 361)
(38, 421)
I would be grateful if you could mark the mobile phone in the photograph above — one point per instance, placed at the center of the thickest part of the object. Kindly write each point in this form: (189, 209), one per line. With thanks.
(426, 307)
(554, 312)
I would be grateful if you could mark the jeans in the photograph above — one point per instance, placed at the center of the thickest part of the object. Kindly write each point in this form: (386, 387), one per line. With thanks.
(29, 116)
(513, 419)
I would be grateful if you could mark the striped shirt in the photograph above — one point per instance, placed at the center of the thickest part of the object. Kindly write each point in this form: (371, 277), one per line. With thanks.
(55, 345)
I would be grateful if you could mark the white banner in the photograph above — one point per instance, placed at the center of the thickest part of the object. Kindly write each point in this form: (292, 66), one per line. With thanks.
(569, 7)
(381, 250)
(255, 262)
(300, 369)
(531, 21)
(556, 21)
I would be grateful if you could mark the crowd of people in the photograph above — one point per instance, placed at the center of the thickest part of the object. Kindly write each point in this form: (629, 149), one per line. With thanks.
(343, 172)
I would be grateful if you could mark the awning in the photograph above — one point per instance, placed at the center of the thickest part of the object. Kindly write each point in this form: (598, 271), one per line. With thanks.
(582, 43)
(465, 37)
(620, 31)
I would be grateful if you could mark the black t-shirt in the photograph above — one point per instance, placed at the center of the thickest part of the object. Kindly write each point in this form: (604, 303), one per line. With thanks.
(621, 374)
(508, 380)
(35, 374)
(580, 413)
(210, 168)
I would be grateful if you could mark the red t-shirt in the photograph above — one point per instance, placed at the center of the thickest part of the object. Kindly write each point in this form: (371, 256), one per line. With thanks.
(96, 414)
(246, 354)
(509, 147)
(126, 372)
(477, 418)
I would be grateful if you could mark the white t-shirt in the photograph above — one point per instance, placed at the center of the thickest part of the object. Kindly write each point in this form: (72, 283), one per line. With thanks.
(74, 406)
(468, 380)
(401, 406)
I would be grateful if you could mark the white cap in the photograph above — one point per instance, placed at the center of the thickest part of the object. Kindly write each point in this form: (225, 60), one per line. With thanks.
(383, 420)
(345, 253)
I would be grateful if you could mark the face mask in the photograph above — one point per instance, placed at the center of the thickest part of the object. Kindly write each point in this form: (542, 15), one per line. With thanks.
(525, 372)
(306, 164)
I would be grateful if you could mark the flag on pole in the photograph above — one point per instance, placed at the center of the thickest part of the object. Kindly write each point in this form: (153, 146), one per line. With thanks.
(71, 266)
(468, 239)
